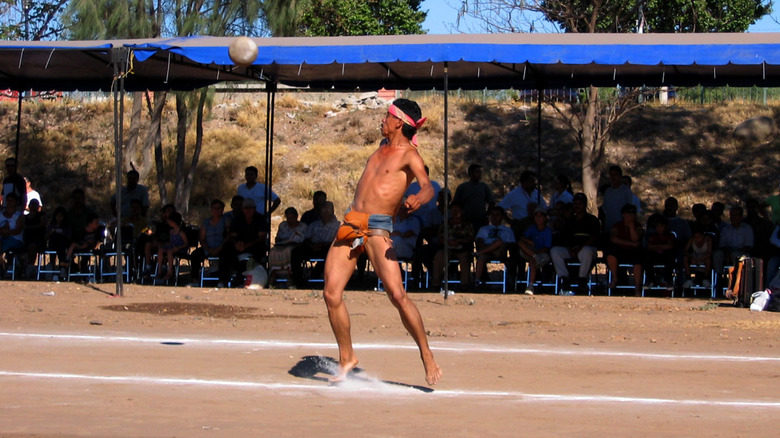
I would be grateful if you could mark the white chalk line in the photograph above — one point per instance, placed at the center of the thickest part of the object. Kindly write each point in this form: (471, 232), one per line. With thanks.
(456, 348)
(386, 389)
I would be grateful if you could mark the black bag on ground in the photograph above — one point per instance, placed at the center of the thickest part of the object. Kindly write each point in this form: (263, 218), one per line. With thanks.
(747, 277)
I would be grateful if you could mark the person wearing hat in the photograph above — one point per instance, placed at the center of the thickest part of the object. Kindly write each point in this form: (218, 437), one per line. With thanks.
(578, 242)
(535, 246)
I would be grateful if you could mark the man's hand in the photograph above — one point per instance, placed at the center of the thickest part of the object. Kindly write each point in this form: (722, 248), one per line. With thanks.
(412, 203)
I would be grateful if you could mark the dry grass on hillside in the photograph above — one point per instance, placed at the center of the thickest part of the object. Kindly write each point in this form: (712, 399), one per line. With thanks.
(687, 152)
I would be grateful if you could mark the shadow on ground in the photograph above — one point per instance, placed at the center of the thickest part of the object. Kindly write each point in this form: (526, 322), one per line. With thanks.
(310, 366)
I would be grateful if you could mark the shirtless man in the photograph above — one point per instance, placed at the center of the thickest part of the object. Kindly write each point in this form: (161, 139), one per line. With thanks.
(367, 226)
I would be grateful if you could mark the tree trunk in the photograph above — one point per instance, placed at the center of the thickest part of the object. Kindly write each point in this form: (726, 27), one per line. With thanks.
(131, 147)
(589, 146)
(158, 152)
(182, 113)
(184, 191)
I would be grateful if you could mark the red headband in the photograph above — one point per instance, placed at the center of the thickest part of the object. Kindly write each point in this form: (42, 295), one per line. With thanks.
(395, 111)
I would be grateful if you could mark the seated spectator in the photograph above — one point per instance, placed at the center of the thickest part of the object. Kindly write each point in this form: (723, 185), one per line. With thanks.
(248, 233)
(79, 211)
(12, 223)
(616, 195)
(34, 234)
(577, 240)
(736, 240)
(626, 247)
(318, 238)
(290, 234)
(406, 227)
(86, 239)
(535, 246)
(676, 225)
(156, 236)
(213, 231)
(562, 191)
(460, 245)
(493, 241)
(318, 200)
(517, 200)
(661, 251)
(58, 235)
(698, 252)
(177, 245)
(236, 203)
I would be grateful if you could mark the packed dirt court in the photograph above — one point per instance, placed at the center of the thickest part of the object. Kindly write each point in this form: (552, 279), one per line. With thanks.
(190, 362)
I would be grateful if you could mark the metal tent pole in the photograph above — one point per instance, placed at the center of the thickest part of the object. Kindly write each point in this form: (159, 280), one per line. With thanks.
(269, 154)
(446, 186)
(119, 58)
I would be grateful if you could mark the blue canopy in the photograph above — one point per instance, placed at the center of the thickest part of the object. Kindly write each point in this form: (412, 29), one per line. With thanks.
(520, 61)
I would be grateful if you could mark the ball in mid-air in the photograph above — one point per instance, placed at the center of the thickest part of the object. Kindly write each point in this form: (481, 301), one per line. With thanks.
(243, 51)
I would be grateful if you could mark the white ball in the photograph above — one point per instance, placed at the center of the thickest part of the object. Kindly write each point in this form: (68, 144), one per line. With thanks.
(243, 51)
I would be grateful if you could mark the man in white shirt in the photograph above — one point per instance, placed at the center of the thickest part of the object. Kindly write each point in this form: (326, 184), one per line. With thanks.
(256, 191)
(518, 199)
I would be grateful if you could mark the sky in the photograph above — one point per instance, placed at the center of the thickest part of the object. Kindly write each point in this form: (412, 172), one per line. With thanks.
(442, 15)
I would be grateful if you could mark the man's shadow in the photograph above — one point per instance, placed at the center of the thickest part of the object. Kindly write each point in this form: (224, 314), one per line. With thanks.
(309, 366)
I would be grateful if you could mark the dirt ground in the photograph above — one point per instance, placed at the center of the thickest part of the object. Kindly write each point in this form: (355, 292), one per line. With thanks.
(76, 361)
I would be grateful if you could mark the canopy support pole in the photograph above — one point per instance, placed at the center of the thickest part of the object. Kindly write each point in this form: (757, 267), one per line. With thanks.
(269, 154)
(18, 127)
(445, 284)
(119, 59)
(539, 148)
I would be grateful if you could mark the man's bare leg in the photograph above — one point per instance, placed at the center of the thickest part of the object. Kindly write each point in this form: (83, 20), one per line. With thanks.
(382, 256)
(338, 269)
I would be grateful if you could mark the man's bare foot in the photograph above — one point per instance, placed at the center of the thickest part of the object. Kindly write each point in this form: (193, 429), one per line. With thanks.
(343, 370)
(432, 373)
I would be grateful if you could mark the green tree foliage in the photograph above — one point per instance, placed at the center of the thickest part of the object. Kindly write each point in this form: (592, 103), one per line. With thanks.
(42, 19)
(704, 15)
(362, 17)
(283, 16)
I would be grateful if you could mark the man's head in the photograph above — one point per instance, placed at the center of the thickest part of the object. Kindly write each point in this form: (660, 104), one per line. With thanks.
(319, 198)
(217, 207)
(10, 166)
(540, 217)
(34, 206)
(11, 201)
(291, 214)
(736, 214)
(475, 172)
(615, 176)
(412, 110)
(327, 212)
(132, 179)
(249, 204)
(236, 202)
(250, 174)
(528, 181)
(670, 206)
(497, 215)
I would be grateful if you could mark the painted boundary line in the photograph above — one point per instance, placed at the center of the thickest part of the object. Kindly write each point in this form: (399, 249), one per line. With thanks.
(389, 390)
(456, 348)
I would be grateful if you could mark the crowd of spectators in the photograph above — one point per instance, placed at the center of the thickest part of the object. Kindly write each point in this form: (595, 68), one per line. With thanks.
(531, 235)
